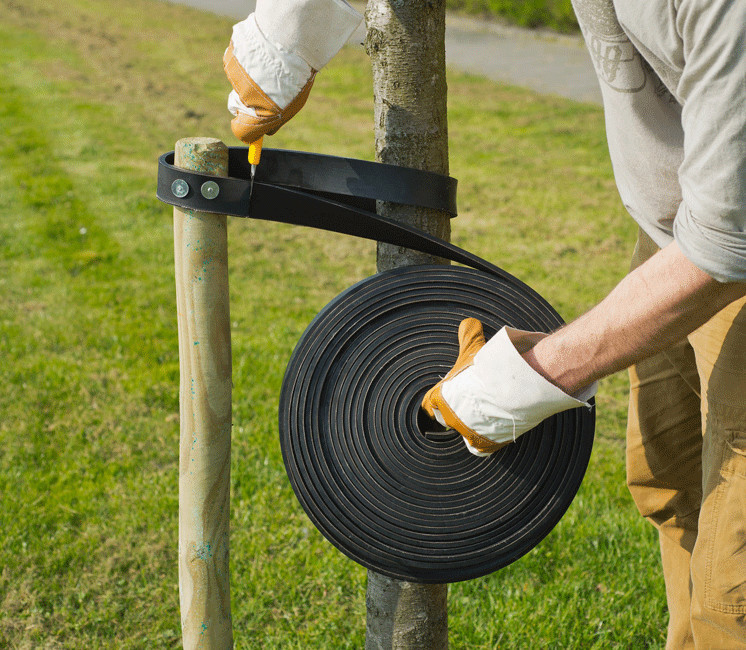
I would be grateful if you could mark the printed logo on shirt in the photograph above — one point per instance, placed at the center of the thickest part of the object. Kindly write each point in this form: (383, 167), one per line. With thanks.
(618, 64)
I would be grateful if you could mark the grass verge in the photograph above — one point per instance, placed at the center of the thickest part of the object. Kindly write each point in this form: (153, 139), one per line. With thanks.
(556, 15)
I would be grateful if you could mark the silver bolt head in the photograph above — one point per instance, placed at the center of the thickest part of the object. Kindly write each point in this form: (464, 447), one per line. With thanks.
(210, 189)
(180, 188)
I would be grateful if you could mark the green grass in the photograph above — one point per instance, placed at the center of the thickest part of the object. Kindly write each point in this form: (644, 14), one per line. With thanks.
(555, 15)
(90, 94)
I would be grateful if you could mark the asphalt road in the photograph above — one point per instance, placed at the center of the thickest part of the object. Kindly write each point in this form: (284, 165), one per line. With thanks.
(546, 63)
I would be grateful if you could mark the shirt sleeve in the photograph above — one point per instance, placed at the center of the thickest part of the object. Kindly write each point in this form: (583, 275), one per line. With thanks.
(710, 225)
(643, 120)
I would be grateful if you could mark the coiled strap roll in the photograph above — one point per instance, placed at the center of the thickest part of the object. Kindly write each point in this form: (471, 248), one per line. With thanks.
(369, 469)
(411, 504)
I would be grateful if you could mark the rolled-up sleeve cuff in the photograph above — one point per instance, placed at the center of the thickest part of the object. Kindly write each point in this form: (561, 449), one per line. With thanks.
(719, 252)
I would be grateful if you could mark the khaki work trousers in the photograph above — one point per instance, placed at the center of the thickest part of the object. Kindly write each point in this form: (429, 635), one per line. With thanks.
(686, 471)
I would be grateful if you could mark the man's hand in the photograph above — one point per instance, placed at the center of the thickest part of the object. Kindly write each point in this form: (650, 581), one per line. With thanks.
(498, 390)
(273, 58)
(491, 395)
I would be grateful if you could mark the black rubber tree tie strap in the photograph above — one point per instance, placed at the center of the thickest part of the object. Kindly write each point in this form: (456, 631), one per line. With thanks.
(372, 473)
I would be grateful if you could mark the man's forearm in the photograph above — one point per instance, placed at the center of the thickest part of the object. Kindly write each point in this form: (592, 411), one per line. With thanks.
(656, 305)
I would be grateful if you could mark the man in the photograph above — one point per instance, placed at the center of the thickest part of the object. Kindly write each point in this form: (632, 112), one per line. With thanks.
(673, 80)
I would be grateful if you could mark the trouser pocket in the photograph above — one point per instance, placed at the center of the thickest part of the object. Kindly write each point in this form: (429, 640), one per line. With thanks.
(721, 544)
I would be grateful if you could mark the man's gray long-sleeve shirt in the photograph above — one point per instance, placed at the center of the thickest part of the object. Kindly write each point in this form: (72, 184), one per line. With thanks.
(673, 80)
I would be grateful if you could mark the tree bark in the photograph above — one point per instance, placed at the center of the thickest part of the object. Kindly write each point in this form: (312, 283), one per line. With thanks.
(406, 44)
(405, 615)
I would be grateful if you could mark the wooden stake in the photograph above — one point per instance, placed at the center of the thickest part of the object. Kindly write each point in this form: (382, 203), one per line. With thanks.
(203, 313)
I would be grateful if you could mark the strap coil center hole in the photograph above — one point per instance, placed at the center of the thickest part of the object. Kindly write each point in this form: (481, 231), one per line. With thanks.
(433, 430)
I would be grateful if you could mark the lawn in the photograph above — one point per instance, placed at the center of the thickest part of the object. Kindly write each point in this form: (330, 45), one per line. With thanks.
(90, 94)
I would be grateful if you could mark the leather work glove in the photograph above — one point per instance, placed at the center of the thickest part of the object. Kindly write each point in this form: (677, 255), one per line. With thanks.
(273, 58)
(491, 395)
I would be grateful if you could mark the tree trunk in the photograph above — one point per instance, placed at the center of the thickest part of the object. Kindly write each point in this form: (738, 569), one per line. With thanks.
(405, 615)
(406, 44)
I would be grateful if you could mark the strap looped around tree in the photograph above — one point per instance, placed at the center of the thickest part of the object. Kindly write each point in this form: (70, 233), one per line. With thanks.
(368, 467)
